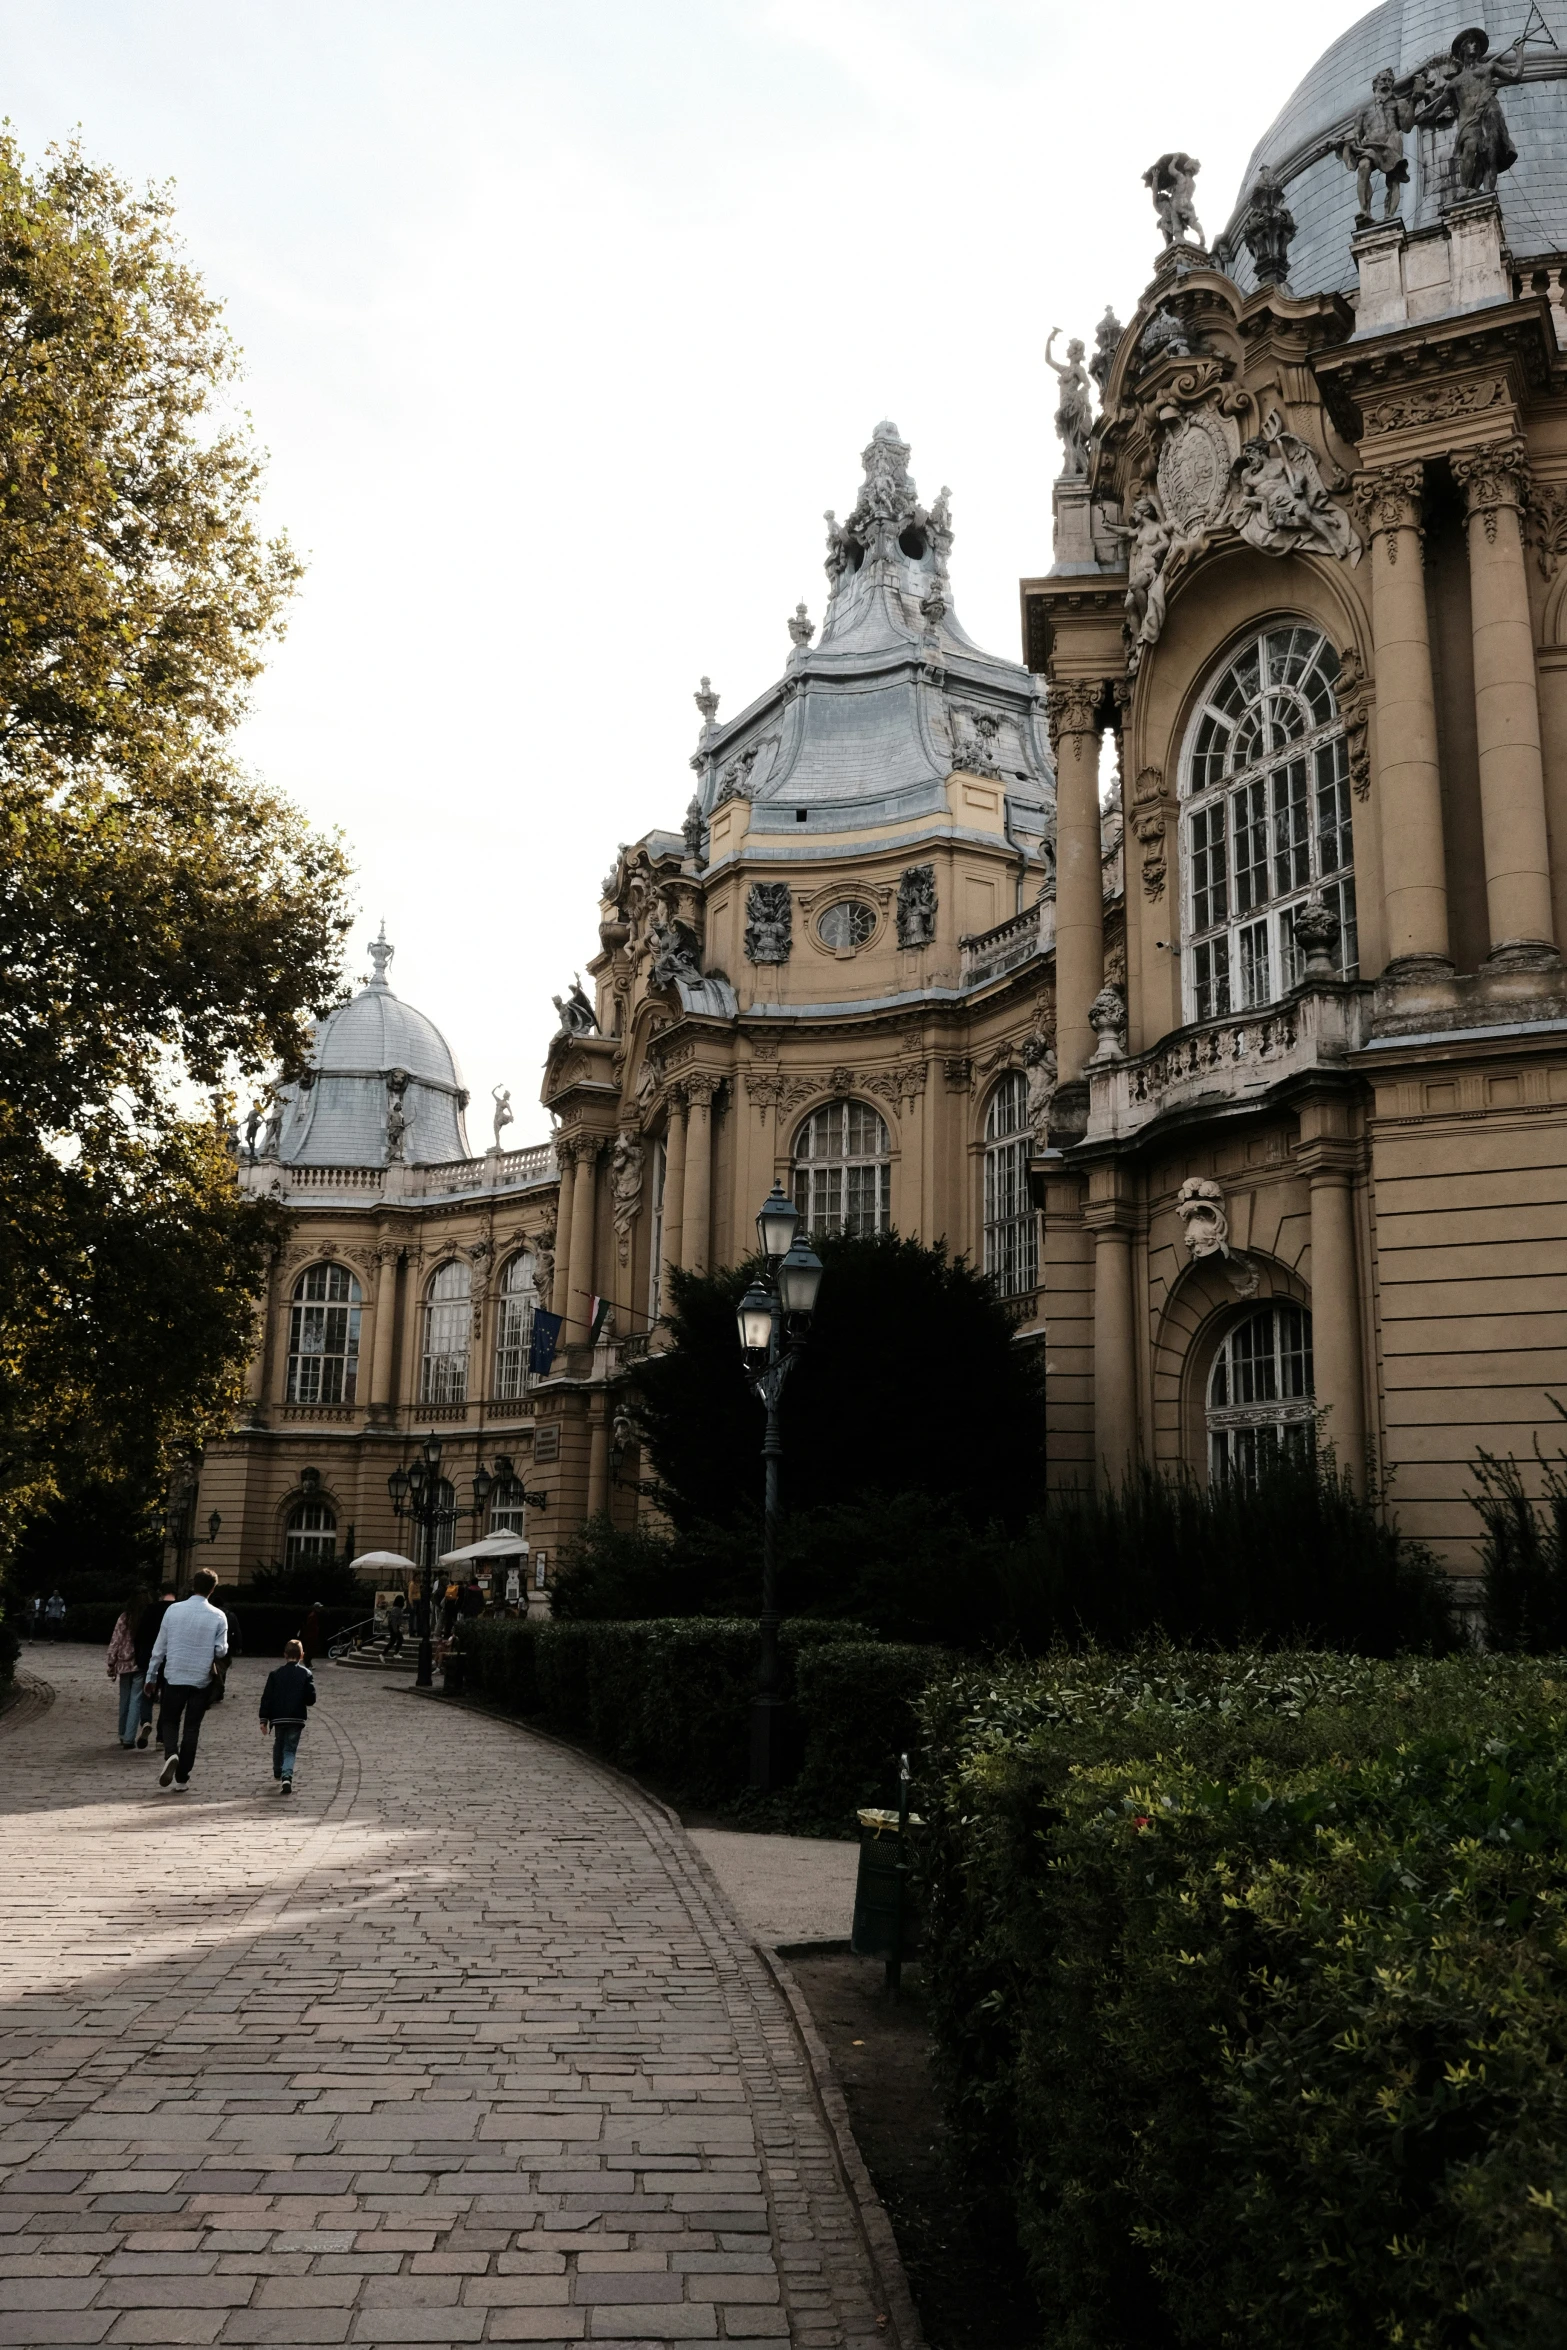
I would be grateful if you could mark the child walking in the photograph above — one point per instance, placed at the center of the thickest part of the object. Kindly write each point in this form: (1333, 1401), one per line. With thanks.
(290, 1690)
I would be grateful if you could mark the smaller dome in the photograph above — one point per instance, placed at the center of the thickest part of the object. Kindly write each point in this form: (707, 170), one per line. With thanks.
(380, 1075)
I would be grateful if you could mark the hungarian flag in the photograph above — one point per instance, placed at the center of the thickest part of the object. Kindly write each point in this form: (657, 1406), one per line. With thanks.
(601, 1306)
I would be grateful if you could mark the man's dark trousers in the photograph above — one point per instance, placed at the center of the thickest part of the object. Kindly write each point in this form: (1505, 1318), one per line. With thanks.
(181, 1705)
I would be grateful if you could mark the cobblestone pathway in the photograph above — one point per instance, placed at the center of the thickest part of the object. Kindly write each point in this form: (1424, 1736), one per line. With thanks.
(459, 2046)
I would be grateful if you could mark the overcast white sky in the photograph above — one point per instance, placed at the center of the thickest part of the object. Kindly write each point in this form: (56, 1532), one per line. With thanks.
(565, 319)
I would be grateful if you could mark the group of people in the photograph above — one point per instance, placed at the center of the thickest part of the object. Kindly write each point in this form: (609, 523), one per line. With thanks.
(176, 1656)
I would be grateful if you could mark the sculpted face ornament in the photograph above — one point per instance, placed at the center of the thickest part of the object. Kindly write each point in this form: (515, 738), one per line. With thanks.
(1205, 1228)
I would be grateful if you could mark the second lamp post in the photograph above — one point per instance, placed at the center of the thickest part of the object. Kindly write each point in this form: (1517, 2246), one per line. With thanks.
(419, 1492)
(775, 1320)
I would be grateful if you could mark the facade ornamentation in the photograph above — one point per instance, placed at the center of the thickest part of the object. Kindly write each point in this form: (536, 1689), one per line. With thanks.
(501, 1096)
(1435, 404)
(933, 610)
(1073, 707)
(1107, 341)
(975, 734)
(577, 1016)
(1205, 1227)
(625, 1188)
(707, 703)
(1352, 691)
(1547, 525)
(1266, 228)
(958, 1070)
(917, 906)
(1149, 544)
(1107, 1019)
(1164, 336)
(1492, 478)
(801, 627)
(1465, 94)
(1280, 502)
(694, 829)
(1172, 183)
(1148, 823)
(1194, 472)
(1390, 499)
(769, 922)
(398, 1118)
(1074, 409)
(1317, 929)
(675, 955)
(544, 1267)
(273, 1135)
(734, 781)
(1376, 144)
(1042, 1077)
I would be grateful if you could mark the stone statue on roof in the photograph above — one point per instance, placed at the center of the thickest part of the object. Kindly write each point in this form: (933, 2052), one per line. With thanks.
(577, 1016)
(1107, 338)
(1376, 144)
(501, 1096)
(1267, 225)
(1172, 183)
(1466, 93)
(1075, 410)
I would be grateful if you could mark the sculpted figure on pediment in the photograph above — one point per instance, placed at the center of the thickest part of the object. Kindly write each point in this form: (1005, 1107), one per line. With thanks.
(1280, 502)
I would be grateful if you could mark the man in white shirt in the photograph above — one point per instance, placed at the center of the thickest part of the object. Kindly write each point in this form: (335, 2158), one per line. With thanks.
(191, 1638)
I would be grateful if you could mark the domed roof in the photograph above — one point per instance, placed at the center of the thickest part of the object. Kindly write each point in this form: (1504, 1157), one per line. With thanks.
(375, 1059)
(1406, 35)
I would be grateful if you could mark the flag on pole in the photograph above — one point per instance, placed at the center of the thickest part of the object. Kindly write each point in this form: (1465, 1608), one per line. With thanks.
(601, 1306)
(546, 1337)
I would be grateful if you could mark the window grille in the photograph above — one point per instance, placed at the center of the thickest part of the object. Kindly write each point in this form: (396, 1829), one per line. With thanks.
(1011, 1229)
(1266, 821)
(843, 1171)
(311, 1536)
(445, 1369)
(323, 1336)
(515, 1301)
(1261, 1393)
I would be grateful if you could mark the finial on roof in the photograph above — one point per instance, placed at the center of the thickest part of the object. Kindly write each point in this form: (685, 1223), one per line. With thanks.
(381, 954)
(707, 702)
(802, 627)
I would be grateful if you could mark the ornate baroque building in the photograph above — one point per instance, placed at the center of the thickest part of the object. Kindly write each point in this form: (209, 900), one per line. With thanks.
(1268, 1130)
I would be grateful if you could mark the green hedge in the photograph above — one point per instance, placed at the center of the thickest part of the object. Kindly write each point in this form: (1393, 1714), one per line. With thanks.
(672, 1697)
(264, 1626)
(1249, 1982)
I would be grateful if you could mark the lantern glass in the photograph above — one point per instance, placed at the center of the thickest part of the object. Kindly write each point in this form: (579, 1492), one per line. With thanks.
(482, 1481)
(775, 1225)
(799, 1279)
(432, 1452)
(397, 1487)
(755, 1317)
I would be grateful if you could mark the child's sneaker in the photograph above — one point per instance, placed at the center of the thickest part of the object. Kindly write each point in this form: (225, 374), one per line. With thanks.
(288, 1786)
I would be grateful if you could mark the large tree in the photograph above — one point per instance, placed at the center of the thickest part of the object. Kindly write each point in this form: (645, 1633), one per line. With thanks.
(167, 922)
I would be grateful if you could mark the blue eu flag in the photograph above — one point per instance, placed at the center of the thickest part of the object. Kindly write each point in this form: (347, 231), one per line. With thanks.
(546, 1336)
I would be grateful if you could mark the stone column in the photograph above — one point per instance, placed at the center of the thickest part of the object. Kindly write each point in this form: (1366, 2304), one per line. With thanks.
(383, 1338)
(697, 1205)
(1409, 785)
(566, 1160)
(584, 1217)
(598, 1460)
(1115, 1347)
(1507, 702)
(674, 1182)
(1335, 1313)
(1080, 933)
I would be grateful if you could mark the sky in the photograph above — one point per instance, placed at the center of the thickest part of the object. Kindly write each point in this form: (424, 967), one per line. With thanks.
(562, 325)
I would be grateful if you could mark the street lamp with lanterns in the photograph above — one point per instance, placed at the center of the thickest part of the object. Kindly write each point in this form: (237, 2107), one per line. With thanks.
(417, 1494)
(775, 1319)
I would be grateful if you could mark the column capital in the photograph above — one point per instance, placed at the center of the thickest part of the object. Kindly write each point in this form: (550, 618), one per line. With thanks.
(1075, 706)
(1492, 478)
(1389, 498)
(700, 1090)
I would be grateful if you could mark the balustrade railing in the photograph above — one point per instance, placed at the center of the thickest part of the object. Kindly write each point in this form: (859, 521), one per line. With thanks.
(990, 954)
(1230, 1058)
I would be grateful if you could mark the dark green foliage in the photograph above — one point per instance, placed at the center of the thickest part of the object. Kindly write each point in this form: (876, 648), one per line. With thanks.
(333, 1586)
(97, 1540)
(673, 1699)
(1524, 1555)
(1249, 1978)
(911, 1384)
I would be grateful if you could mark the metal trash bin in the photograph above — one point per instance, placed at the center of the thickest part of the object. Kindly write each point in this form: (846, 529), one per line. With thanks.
(886, 1914)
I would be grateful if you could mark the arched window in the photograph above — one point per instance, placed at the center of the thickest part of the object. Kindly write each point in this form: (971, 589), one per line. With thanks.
(311, 1538)
(1260, 1392)
(323, 1336)
(1011, 1233)
(843, 1170)
(445, 1373)
(1266, 820)
(516, 1300)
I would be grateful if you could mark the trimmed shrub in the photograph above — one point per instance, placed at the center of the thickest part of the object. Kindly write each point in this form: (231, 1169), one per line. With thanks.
(859, 1709)
(1249, 1980)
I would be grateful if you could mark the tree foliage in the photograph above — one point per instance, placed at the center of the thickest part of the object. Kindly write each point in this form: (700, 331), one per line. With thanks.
(166, 921)
(1523, 1556)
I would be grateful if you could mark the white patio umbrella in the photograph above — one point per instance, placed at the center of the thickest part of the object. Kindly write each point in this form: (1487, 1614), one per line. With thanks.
(382, 1558)
(493, 1546)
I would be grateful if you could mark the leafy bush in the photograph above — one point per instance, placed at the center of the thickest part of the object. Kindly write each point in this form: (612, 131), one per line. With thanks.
(1523, 1557)
(673, 1699)
(1249, 1979)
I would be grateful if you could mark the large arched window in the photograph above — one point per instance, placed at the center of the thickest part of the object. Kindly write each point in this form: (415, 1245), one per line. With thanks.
(323, 1336)
(515, 1301)
(311, 1537)
(1260, 1392)
(843, 1170)
(1266, 820)
(445, 1369)
(1011, 1234)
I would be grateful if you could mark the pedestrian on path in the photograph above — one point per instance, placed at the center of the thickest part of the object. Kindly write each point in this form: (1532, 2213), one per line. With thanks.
(396, 1624)
(190, 1651)
(54, 1616)
(147, 1624)
(313, 1634)
(122, 1667)
(290, 1691)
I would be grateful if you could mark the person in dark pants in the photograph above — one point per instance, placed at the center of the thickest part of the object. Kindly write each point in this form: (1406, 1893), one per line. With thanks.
(313, 1633)
(190, 1651)
(396, 1624)
(290, 1691)
(147, 1624)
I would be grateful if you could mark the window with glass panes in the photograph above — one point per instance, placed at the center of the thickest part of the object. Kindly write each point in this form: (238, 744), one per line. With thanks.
(311, 1536)
(444, 1373)
(508, 1510)
(843, 1170)
(1011, 1234)
(323, 1336)
(1265, 821)
(1261, 1392)
(515, 1301)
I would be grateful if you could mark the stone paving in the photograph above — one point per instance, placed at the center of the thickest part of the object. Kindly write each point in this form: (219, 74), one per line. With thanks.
(460, 2045)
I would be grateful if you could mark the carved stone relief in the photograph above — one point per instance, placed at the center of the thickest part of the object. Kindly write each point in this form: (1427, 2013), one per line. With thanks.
(917, 906)
(769, 922)
(625, 1186)
(1352, 691)
(1149, 825)
(1205, 1228)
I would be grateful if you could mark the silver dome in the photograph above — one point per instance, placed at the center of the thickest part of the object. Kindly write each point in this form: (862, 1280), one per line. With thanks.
(1407, 34)
(367, 1054)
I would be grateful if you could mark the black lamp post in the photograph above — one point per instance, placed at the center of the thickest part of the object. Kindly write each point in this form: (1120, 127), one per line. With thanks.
(416, 1494)
(775, 1319)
